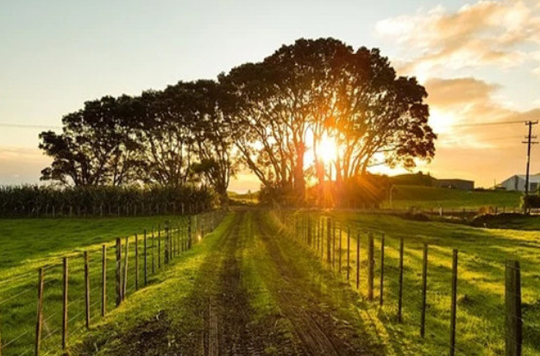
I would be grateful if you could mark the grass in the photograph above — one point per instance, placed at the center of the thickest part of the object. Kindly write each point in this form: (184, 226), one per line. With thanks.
(160, 303)
(197, 284)
(405, 197)
(482, 255)
(29, 244)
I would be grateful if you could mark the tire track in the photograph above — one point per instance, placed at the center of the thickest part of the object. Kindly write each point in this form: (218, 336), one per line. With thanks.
(229, 329)
(315, 329)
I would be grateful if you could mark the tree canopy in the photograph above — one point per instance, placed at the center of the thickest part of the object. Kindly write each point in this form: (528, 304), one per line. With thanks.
(273, 117)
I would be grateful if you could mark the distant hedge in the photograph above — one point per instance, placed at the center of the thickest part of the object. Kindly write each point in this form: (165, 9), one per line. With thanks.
(48, 201)
(530, 201)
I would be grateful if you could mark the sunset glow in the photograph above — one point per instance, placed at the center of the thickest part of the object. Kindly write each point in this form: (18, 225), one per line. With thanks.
(327, 149)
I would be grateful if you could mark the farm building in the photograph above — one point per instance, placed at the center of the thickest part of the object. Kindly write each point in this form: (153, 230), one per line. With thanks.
(517, 182)
(460, 184)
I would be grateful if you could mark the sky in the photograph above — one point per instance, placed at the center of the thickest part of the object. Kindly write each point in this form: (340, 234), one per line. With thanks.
(479, 61)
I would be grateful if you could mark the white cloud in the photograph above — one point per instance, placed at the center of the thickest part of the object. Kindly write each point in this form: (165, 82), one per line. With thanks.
(499, 33)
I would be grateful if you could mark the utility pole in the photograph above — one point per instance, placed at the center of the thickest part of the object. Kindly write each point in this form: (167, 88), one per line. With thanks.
(529, 142)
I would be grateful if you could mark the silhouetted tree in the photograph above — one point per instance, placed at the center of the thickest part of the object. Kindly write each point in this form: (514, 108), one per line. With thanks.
(96, 146)
(289, 101)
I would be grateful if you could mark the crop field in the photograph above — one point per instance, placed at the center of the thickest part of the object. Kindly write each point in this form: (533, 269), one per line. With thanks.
(257, 285)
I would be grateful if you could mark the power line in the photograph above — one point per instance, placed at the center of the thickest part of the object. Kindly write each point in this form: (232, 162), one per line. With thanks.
(24, 126)
(491, 123)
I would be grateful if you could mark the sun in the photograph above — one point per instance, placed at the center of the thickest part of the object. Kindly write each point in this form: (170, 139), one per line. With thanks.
(327, 149)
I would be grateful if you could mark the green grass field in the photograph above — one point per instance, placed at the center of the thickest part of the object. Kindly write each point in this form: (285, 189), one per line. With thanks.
(481, 276)
(29, 244)
(405, 196)
(482, 253)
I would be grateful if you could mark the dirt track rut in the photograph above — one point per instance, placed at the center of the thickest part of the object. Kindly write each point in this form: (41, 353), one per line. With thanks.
(217, 315)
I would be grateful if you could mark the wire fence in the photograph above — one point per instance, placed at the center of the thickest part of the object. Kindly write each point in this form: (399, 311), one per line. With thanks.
(428, 297)
(76, 291)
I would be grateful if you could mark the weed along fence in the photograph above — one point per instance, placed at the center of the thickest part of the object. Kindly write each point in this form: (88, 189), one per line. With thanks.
(428, 297)
(45, 312)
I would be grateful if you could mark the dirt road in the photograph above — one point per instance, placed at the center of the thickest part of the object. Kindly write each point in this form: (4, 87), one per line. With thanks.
(254, 293)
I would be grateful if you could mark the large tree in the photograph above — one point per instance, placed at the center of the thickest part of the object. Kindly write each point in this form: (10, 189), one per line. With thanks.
(315, 88)
(97, 145)
(213, 135)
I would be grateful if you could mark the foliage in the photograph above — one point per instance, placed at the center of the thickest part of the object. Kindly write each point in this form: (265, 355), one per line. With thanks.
(530, 201)
(323, 88)
(268, 114)
(97, 145)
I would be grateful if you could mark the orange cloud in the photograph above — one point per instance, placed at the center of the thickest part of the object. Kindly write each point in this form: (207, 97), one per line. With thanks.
(479, 140)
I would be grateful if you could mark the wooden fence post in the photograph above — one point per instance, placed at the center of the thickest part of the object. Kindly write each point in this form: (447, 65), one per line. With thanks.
(453, 311)
(340, 247)
(167, 245)
(371, 265)
(514, 323)
(39, 323)
(159, 247)
(328, 238)
(189, 232)
(126, 267)
(424, 291)
(153, 251)
(65, 305)
(103, 280)
(118, 271)
(400, 292)
(87, 289)
(334, 245)
(309, 237)
(137, 262)
(348, 252)
(358, 260)
(145, 260)
(381, 284)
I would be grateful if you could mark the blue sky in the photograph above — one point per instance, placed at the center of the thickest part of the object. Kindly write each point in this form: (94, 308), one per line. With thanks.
(55, 55)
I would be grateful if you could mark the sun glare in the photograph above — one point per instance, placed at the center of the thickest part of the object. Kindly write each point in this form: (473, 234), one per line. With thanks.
(327, 149)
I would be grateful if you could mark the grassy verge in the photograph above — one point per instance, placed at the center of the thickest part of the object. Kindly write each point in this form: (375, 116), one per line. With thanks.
(34, 243)
(482, 254)
(158, 312)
